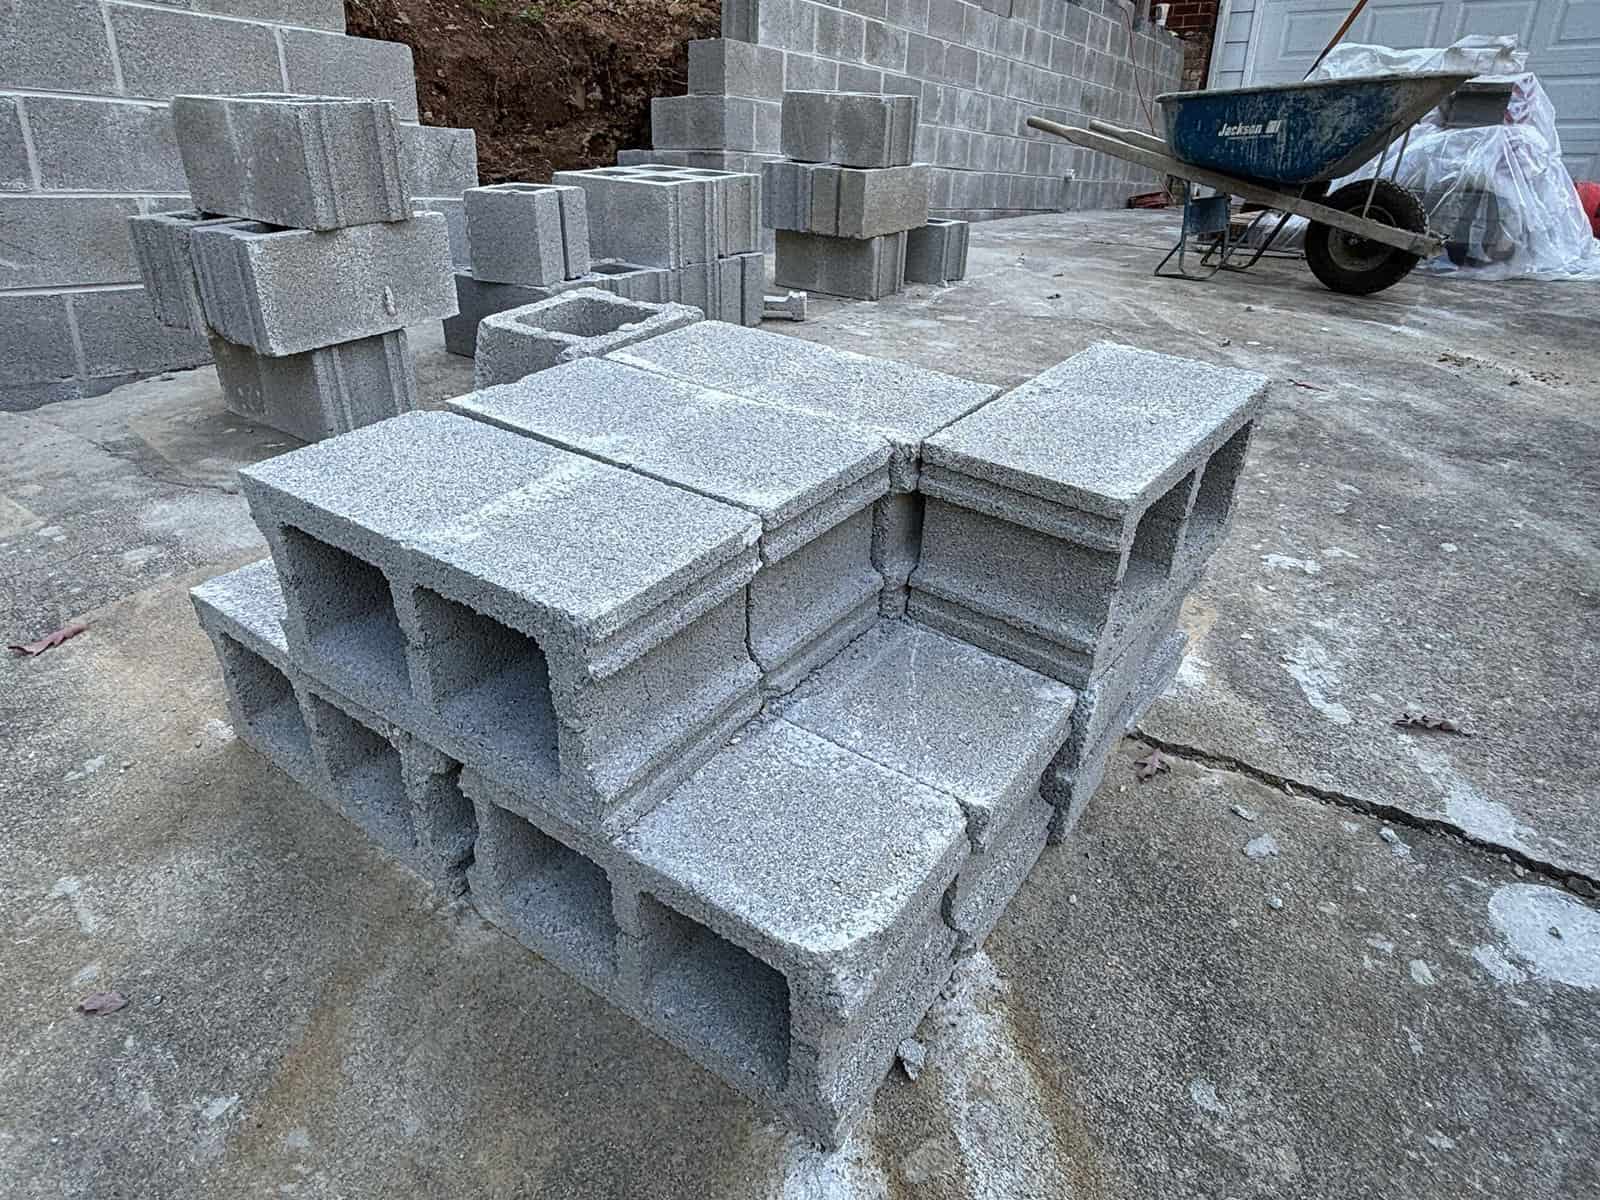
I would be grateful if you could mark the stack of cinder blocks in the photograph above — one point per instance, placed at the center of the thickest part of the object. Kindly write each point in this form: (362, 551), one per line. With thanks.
(843, 202)
(937, 252)
(303, 260)
(652, 233)
(602, 647)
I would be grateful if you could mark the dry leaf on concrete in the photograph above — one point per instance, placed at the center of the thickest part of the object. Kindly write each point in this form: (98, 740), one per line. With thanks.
(29, 649)
(1422, 720)
(1150, 765)
(102, 1004)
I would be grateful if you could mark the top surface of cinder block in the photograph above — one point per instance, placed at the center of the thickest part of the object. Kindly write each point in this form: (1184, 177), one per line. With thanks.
(967, 723)
(774, 462)
(812, 854)
(903, 403)
(581, 545)
(250, 599)
(1107, 431)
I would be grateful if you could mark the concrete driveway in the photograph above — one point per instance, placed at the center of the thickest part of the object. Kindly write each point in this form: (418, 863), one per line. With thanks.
(1322, 955)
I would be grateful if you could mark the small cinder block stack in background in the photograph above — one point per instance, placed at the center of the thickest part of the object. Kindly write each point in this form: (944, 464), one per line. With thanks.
(841, 207)
(1066, 521)
(701, 225)
(582, 323)
(305, 259)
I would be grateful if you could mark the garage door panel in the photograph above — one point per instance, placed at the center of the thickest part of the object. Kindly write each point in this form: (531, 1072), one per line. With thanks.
(1503, 16)
(1561, 36)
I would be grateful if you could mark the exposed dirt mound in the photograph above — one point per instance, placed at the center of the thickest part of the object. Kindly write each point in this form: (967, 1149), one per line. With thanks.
(548, 85)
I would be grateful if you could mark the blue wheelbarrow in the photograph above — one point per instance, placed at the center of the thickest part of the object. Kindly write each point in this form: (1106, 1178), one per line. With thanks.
(1282, 146)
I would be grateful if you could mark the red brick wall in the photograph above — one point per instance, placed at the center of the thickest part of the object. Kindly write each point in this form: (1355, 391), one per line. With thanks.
(1195, 21)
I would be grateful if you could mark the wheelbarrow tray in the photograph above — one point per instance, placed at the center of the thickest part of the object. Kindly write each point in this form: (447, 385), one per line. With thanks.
(1288, 134)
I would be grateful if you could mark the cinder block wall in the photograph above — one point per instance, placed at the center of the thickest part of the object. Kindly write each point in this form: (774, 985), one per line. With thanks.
(981, 70)
(86, 142)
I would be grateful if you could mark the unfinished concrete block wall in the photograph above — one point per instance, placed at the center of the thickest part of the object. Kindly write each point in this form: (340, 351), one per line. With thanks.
(979, 69)
(86, 141)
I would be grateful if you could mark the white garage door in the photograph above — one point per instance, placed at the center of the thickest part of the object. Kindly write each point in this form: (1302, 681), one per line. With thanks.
(1276, 41)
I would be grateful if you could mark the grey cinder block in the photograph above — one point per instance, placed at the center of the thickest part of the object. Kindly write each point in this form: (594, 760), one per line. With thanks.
(669, 216)
(439, 161)
(991, 878)
(863, 268)
(103, 145)
(581, 323)
(329, 64)
(163, 52)
(903, 403)
(119, 337)
(970, 724)
(791, 306)
(66, 240)
(60, 45)
(1066, 562)
(529, 233)
(696, 122)
(727, 67)
(298, 161)
(810, 481)
(476, 299)
(166, 266)
(937, 252)
(843, 201)
(16, 169)
(283, 291)
(572, 630)
(454, 211)
(319, 393)
(850, 129)
(784, 919)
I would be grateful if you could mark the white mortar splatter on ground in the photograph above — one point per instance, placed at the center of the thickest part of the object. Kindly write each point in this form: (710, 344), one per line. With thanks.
(70, 888)
(1264, 846)
(848, 1173)
(1525, 914)
(1282, 562)
(1498, 965)
(218, 1106)
(1191, 673)
(1468, 809)
(1421, 973)
(1310, 666)
(995, 1106)
(1204, 1094)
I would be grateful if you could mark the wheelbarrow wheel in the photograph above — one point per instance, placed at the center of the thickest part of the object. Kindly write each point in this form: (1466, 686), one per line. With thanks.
(1357, 266)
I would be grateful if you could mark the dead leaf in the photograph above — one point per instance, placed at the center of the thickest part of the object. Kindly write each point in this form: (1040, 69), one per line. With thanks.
(1422, 720)
(1150, 765)
(48, 640)
(102, 1004)
(1310, 387)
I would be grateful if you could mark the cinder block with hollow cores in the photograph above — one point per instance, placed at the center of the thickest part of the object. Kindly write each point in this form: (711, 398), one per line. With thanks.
(304, 162)
(529, 233)
(862, 268)
(725, 289)
(714, 123)
(572, 630)
(581, 323)
(333, 64)
(967, 723)
(546, 883)
(781, 919)
(283, 291)
(391, 786)
(1069, 784)
(843, 201)
(476, 299)
(808, 479)
(242, 612)
(166, 266)
(319, 393)
(668, 217)
(724, 67)
(1058, 521)
(851, 129)
(937, 252)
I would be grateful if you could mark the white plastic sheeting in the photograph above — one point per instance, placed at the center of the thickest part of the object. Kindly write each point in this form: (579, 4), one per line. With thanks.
(1499, 194)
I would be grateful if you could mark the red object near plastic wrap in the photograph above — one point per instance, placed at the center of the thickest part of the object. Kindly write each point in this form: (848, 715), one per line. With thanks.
(1589, 197)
